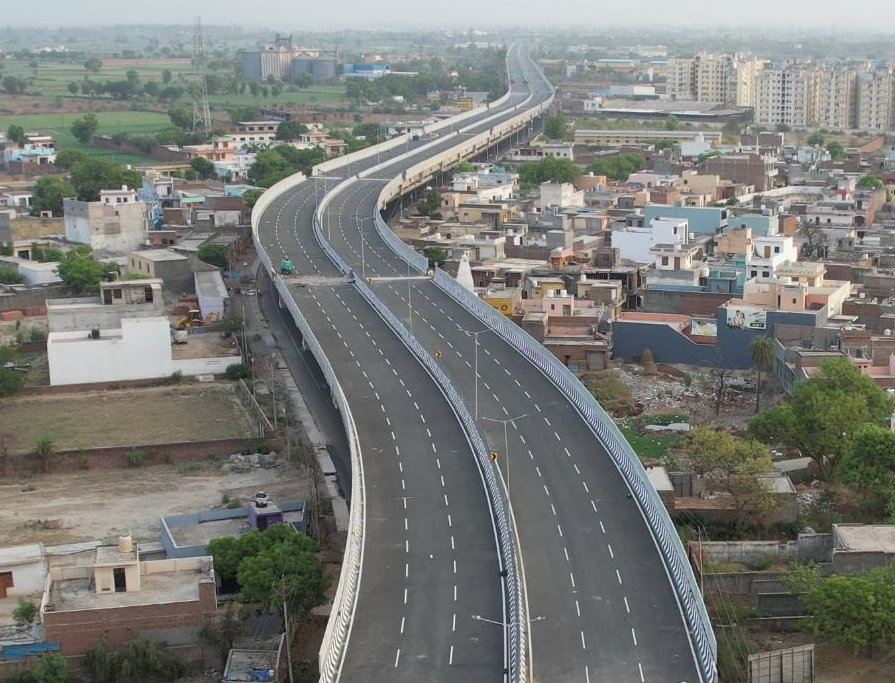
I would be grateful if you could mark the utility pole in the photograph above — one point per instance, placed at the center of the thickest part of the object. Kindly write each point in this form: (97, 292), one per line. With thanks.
(506, 448)
(288, 638)
(476, 365)
(273, 393)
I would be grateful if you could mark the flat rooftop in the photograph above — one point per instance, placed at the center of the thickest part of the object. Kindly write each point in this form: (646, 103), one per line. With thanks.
(70, 595)
(867, 538)
(161, 255)
(249, 655)
(21, 554)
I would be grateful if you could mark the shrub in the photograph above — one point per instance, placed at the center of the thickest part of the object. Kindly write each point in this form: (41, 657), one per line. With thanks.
(25, 612)
(10, 276)
(237, 371)
(234, 503)
(176, 377)
(36, 334)
(134, 458)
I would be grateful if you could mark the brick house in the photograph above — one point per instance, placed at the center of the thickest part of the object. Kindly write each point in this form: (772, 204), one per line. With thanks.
(118, 597)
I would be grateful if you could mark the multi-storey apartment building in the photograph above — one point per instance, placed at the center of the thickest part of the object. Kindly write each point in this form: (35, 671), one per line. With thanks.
(787, 95)
(836, 91)
(713, 77)
(873, 103)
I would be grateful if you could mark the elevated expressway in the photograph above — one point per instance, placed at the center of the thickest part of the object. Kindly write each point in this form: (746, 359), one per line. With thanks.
(607, 599)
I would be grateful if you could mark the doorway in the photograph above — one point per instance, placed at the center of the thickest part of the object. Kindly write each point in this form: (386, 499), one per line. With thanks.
(5, 582)
(120, 580)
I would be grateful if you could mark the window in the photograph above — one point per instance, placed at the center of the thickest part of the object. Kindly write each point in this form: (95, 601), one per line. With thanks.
(754, 273)
(776, 250)
(664, 260)
(793, 299)
(116, 293)
(766, 274)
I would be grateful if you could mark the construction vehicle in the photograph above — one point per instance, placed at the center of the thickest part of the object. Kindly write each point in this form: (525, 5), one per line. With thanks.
(194, 319)
(287, 267)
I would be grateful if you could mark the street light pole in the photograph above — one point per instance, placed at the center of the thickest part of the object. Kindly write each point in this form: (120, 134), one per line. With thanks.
(476, 365)
(506, 448)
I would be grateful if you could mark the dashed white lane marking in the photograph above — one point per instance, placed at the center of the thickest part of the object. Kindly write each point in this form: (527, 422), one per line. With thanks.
(619, 577)
(583, 645)
(611, 554)
(397, 657)
(628, 609)
(640, 669)
(634, 636)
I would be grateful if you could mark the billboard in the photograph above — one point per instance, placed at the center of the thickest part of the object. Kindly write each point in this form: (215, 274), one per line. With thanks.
(746, 318)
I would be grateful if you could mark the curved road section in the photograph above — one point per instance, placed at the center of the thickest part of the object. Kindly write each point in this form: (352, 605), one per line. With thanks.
(429, 561)
(601, 602)
(595, 576)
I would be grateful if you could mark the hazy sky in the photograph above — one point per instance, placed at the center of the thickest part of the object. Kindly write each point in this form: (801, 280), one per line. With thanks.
(876, 15)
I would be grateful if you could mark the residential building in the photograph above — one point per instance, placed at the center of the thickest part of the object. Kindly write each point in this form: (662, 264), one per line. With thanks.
(701, 220)
(675, 264)
(873, 110)
(714, 77)
(560, 195)
(635, 243)
(505, 298)
(787, 95)
(836, 96)
(108, 226)
(174, 269)
(254, 133)
(117, 597)
(758, 170)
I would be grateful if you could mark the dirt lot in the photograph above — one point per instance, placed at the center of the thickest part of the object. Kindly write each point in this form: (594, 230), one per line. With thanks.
(668, 393)
(123, 417)
(63, 508)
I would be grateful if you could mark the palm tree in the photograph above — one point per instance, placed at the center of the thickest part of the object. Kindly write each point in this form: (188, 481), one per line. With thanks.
(761, 350)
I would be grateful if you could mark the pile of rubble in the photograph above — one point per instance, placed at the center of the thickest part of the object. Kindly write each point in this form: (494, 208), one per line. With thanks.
(240, 462)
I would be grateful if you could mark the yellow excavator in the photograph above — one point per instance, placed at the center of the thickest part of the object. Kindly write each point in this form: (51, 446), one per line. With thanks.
(194, 319)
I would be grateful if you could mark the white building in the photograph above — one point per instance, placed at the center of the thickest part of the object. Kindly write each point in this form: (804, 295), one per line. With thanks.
(33, 272)
(117, 197)
(22, 570)
(212, 293)
(560, 195)
(768, 253)
(635, 244)
(139, 349)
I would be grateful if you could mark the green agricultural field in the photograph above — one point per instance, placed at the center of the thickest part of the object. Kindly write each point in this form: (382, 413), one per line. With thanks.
(325, 94)
(51, 79)
(110, 122)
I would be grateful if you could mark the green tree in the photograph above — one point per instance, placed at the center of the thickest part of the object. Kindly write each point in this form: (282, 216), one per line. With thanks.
(869, 467)
(672, 123)
(93, 65)
(213, 253)
(93, 174)
(290, 130)
(732, 465)
(84, 127)
(67, 158)
(761, 351)
(25, 611)
(82, 272)
(824, 413)
(44, 449)
(16, 134)
(137, 660)
(166, 76)
(464, 167)
(203, 167)
(801, 577)
(854, 609)
(431, 205)
(870, 182)
(13, 85)
(9, 275)
(49, 191)
(555, 127)
(436, 255)
(73, 88)
(180, 117)
(10, 380)
(783, 128)
(816, 139)
(251, 196)
(618, 166)
(291, 564)
(836, 150)
(303, 80)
